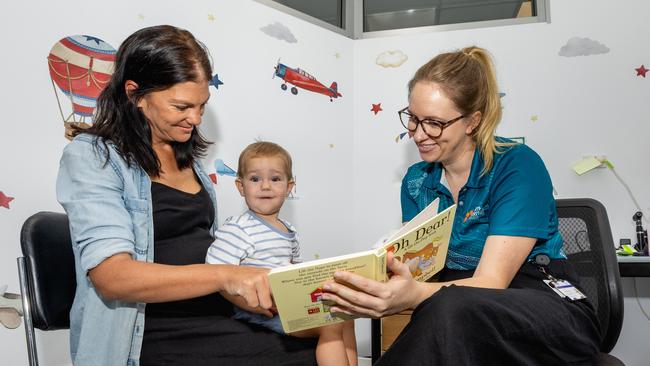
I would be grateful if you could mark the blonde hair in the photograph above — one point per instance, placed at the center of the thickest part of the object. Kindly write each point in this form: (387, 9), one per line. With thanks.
(264, 149)
(467, 77)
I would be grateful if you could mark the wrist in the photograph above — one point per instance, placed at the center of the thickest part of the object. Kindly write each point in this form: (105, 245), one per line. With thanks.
(218, 276)
(422, 291)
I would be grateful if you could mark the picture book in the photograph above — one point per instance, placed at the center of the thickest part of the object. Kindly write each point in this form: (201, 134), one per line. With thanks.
(421, 243)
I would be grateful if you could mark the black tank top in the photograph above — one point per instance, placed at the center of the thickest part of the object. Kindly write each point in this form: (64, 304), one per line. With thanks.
(182, 223)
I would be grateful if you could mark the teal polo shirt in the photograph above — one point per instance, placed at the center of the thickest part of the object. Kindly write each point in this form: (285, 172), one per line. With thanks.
(514, 198)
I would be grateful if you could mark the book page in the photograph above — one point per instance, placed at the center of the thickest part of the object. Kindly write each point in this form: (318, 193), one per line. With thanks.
(421, 217)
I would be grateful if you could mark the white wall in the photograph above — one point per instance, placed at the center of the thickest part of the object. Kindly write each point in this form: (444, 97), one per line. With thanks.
(586, 105)
(249, 105)
(347, 162)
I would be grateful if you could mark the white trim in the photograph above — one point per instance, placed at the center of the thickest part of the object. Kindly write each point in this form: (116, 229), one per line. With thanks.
(352, 19)
(310, 19)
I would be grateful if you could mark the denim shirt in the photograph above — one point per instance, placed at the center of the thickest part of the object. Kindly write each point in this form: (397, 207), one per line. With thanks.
(110, 211)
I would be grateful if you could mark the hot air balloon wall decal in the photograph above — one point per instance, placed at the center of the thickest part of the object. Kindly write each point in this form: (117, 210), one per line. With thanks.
(80, 68)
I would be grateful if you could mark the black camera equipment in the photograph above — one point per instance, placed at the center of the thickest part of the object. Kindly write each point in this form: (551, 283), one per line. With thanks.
(641, 234)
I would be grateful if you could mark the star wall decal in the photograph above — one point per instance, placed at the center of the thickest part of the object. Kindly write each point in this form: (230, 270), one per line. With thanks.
(215, 81)
(641, 71)
(376, 108)
(93, 39)
(211, 17)
(399, 137)
(4, 200)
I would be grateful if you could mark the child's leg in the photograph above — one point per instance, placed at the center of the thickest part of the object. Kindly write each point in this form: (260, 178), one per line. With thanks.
(350, 342)
(331, 349)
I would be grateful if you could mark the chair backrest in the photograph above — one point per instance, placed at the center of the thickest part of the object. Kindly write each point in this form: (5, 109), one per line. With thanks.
(51, 282)
(589, 246)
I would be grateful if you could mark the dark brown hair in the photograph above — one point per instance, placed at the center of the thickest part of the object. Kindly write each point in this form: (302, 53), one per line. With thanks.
(155, 58)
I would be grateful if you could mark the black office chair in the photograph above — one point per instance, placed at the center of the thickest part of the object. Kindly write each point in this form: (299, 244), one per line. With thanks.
(589, 246)
(47, 275)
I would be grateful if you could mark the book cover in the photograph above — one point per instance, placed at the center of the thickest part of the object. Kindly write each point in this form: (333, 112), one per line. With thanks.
(297, 288)
(421, 243)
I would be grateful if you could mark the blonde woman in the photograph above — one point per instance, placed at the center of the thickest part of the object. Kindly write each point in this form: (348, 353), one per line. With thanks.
(491, 304)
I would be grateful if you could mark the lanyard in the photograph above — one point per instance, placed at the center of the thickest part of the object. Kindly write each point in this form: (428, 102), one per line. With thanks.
(542, 261)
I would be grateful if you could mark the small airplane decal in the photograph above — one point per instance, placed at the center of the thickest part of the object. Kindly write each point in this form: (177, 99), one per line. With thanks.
(301, 79)
(223, 169)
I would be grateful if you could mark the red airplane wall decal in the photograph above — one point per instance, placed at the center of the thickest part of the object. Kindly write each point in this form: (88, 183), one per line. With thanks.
(301, 79)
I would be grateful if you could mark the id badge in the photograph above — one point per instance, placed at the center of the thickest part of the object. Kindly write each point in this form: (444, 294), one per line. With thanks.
(565, 289)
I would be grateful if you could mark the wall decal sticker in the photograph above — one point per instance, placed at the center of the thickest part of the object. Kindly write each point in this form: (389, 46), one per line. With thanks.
(215, 81)
(279, 31)
(223, 169)
(391, 59)
(577, 46)
(293, 195)
(519, 139)
(301, 79)
(80, 66)
(376, 108)
(211, 17)
(401, 136)
(4, 200)
(534, 118)
(641, 71)
(337, 55)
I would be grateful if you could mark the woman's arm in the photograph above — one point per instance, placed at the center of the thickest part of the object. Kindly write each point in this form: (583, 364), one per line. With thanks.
(92, 191)
(501, 259)
(121, 277)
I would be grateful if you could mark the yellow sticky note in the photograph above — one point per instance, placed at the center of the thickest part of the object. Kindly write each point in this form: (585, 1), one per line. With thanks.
(586, 165)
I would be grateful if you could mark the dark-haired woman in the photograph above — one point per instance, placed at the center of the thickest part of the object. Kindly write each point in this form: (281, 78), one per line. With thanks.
(142, 216)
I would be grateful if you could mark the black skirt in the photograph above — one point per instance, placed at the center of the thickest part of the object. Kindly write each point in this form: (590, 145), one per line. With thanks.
(525, 324)
(220, 340)
(200, 331)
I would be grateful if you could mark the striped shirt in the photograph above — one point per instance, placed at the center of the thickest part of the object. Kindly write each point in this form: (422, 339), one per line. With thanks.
(251, 241)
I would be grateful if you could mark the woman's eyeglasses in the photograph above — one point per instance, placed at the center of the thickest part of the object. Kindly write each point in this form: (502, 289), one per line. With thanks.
(433, 128)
